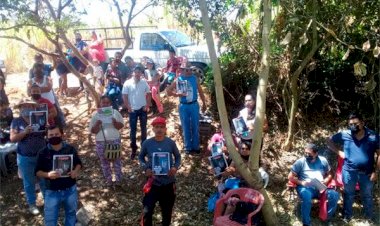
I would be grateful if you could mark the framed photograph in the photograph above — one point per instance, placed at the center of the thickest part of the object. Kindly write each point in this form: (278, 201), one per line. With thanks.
(181, 87)
(42, 107)
(105, 114)
(217, 148)
(160, 163)
(218, 163)
(38, 120)
(63, 164)
(239, 125)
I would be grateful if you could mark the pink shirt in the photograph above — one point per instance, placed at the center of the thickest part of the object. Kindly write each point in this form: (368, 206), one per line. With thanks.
(97, 51)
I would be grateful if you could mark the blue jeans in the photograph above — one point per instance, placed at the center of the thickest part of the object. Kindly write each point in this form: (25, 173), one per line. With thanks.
(307, 194)
(189, 115)
(26, 166)
(133, 117)
(350, 179)
(53, 201)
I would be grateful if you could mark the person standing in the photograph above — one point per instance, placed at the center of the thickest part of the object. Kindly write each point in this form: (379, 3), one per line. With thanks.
(136, 97)
(304, 170)
(248, 113)
(28, 145)
(163, 187)
(110, 132)
(359, 145)
(61, 186)
(96, 49)
(189, 108)
(153, 79)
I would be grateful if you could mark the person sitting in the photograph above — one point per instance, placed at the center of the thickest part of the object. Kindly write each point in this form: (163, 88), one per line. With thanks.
(304, 172)
(170, 71)
(6, 117)
(96, 48)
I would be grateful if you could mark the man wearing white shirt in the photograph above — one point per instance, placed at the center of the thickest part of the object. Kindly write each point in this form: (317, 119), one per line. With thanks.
(136, 97)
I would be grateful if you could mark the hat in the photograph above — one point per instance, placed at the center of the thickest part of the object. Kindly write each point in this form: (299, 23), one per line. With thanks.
(25, 101)
(158, 120)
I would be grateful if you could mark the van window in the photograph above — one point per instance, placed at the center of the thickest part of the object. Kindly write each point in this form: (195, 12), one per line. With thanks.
(151, 41)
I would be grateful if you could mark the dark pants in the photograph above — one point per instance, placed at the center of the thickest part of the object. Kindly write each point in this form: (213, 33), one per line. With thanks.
(165, 196)
(133, 117)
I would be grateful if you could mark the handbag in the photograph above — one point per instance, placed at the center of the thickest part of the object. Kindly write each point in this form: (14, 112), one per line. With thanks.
(111, 151)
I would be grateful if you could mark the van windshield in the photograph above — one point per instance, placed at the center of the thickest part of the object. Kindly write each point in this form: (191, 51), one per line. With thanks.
(178, 39)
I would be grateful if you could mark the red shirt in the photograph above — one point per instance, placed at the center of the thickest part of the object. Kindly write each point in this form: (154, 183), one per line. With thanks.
(172, 65)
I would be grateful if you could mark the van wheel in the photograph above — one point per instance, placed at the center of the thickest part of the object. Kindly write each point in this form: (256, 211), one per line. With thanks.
(199, 71)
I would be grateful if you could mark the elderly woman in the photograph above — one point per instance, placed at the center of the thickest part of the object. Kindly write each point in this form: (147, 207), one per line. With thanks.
(28, 145)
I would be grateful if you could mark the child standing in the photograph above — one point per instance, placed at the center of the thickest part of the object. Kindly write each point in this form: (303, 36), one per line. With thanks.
(107, 132)
(153, 79)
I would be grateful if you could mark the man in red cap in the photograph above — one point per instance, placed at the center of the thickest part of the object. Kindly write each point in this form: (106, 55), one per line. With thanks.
(156, 158)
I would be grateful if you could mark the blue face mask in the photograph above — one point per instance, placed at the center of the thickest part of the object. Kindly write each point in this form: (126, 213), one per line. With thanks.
(26, 111)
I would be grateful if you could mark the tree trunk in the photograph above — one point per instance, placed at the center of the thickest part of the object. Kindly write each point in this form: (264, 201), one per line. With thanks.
(250, 174)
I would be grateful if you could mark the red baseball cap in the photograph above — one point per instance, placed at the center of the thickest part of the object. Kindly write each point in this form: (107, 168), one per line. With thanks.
(159, 120)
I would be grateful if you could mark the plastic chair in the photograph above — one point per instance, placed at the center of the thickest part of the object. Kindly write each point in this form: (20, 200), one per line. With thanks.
(246, 195)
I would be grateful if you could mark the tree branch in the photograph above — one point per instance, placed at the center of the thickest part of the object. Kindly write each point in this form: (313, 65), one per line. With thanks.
(29, 45)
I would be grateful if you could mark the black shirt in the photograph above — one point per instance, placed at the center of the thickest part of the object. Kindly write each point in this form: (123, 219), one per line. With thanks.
(45, 164)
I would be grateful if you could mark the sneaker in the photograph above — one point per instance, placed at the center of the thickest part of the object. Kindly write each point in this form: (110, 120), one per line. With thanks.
(34, 210)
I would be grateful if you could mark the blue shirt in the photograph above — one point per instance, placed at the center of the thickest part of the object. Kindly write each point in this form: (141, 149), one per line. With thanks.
(31, 143)
(77, 64)
(47, 71)
(310, 170)
(192, 89)
(152, 145)
(359, 155)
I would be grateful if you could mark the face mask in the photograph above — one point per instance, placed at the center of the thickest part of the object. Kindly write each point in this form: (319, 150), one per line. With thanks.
(354, 128)
(36, 96)
(55, 140)
(245, 157)
(309, 158)
(25, 112)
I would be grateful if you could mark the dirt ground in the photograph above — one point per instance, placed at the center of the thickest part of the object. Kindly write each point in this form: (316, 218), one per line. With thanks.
(122, 206)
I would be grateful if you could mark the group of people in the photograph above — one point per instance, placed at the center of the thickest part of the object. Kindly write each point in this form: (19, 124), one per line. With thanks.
(131, 86)
(357, 146)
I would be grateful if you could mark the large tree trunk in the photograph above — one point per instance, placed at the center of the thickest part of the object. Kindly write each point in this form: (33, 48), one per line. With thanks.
(250, 174)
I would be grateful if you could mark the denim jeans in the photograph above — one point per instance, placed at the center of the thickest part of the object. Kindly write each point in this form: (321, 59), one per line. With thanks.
(26, 166)
(53, 201)
(133, 117)
(350, 179)
(307, 194)
(189, 115)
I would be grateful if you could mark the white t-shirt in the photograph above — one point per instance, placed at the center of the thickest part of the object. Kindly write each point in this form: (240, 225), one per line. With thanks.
(136, 92)
(110, 132)
(47, 95)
